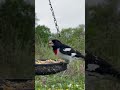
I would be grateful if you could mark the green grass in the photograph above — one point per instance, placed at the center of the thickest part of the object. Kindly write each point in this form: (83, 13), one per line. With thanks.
(43, 51)
(71, 79)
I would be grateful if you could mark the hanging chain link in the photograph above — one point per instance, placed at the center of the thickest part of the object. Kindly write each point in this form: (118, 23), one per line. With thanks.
(55, 21)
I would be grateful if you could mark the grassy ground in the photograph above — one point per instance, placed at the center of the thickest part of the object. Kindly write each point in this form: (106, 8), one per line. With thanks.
(71, 79)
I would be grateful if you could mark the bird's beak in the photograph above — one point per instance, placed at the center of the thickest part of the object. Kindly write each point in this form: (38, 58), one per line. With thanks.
(51, 43)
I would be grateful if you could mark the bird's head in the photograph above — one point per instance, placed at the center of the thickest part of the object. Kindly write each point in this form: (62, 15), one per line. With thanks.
(55, 43)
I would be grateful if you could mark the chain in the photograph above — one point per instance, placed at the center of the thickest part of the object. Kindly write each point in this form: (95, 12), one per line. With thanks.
(55, 21)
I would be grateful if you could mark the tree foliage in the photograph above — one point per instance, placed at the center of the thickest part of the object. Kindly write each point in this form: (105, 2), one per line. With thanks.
(16, 20)
(42, 34)
(103, 30)
(16, 38)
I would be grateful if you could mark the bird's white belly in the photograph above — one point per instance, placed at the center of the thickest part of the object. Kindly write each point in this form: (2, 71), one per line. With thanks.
(64, 57)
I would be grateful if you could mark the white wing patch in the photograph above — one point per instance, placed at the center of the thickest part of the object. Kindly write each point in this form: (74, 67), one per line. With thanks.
(67, 49)
(92, 67)
(73, 54)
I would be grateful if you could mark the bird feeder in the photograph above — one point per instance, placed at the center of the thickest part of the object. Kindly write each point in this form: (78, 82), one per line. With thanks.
(50, 68)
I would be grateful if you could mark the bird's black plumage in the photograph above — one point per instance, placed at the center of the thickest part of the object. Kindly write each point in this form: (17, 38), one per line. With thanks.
(63, 47)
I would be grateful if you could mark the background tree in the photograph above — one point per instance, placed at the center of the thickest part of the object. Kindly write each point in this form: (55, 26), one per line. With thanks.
(17, 21)
(103, 29)
(42, 34)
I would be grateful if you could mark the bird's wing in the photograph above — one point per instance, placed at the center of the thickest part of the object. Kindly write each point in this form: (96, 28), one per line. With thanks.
(98, 65)
(67, 50)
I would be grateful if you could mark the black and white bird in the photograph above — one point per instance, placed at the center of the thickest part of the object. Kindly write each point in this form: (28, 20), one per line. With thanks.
(64, 52)
(96, 66)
